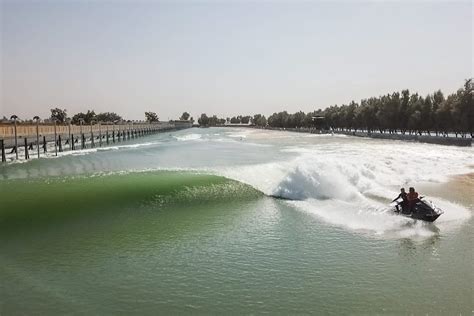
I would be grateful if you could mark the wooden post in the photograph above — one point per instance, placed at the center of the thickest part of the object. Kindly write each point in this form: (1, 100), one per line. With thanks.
(16, 140)
(2, 145)
(60, 144)
(37, 136)
(55, 140)
(83, 145)
(100, 135)
(71, 144)
(107, 136)
(71, 139)
(113, 136)
(92, 138)
(44, 144)
(27, 156)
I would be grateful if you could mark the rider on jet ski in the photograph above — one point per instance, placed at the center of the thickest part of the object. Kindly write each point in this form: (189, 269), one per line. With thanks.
(404, 196)
(415, 207)
(408, 200)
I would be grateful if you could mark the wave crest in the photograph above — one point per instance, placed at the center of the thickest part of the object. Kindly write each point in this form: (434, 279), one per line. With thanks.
(306, 181)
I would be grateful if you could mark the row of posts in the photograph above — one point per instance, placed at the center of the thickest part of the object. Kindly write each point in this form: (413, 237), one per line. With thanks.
(73, 141)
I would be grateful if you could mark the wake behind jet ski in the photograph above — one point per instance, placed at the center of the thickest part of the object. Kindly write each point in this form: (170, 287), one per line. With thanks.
(410, 205)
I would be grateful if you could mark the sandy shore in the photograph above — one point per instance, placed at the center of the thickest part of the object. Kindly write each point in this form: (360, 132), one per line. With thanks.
(459, 189)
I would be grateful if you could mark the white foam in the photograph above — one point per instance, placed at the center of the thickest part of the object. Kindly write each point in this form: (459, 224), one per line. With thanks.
(237, 135)
(78, 152)
(188, 137)
(350, 186)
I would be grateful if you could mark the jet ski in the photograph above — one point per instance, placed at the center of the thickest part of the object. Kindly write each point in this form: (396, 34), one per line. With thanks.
(423, 210)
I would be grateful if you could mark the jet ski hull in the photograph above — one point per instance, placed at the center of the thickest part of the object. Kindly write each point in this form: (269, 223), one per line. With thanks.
(424, 217)
(422, 210)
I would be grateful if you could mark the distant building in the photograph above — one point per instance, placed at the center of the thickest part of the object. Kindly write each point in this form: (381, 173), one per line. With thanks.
(237, 124)
(319, 122)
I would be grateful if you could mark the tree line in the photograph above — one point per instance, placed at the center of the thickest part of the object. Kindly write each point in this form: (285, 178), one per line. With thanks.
(60, 116)
(397, 112)
(204, 120)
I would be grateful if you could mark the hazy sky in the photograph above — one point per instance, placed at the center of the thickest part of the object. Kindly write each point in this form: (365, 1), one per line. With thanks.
(225, 58)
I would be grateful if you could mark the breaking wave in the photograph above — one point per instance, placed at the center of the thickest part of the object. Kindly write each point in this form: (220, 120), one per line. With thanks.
(351, 192)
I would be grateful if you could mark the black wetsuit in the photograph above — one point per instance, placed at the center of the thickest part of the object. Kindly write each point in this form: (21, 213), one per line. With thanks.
(404, 197)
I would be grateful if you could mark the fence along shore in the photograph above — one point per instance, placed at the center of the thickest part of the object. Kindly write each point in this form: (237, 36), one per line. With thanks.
(446, 139)
(24, 141)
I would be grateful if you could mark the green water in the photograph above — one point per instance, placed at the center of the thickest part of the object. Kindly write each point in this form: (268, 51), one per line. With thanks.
(167, 233)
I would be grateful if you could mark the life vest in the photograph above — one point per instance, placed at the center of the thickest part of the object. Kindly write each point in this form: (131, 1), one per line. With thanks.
(412, 196)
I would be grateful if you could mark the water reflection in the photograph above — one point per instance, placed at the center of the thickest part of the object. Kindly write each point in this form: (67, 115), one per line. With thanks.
(409, 248)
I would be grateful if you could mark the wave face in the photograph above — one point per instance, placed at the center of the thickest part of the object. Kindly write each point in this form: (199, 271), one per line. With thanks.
(44, 200)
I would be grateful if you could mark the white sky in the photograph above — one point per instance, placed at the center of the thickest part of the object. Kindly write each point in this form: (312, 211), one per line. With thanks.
(225, 58)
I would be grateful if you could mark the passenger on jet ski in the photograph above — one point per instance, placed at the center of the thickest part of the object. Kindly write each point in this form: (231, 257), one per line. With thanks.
(412, 198)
